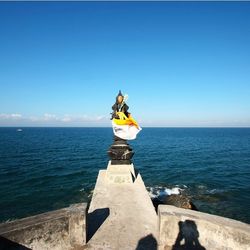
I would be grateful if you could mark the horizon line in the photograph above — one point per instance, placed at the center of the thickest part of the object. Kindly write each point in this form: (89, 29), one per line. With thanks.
(111, 127)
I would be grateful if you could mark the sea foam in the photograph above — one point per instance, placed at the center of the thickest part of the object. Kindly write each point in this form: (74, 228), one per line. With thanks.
(161, 192)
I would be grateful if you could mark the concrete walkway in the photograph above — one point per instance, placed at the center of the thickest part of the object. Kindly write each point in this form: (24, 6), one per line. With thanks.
(121, 214)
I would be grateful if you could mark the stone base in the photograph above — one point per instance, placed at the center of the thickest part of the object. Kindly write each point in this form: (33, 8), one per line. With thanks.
(120, 152)
(120, 173)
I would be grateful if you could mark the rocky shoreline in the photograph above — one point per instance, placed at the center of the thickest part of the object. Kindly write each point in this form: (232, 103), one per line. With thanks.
(177, 200)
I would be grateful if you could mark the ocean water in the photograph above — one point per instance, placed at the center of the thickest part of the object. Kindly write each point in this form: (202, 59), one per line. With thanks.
(49, 168)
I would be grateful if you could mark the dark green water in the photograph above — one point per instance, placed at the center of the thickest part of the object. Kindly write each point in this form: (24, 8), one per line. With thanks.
(48, 168)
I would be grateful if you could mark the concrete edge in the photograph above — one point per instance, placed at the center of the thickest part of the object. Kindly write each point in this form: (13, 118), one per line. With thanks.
(66, 225)
(168, 209)
(209, 231)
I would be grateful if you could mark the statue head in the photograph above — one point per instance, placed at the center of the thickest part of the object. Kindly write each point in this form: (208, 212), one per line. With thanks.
(119, 98)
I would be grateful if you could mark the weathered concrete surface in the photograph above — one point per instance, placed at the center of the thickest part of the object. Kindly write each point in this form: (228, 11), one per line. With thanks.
(121, 214)
(120, 173)
(187, 229)
(60, 229)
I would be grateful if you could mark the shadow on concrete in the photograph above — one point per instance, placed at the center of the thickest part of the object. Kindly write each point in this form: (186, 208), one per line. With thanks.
(187, 238)
(6, 244)
(136, 174)
(156, 202)
(147, 243)
(95, 220)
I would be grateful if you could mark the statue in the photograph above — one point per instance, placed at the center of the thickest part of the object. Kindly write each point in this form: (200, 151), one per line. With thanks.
(120, 105)
(124, 128)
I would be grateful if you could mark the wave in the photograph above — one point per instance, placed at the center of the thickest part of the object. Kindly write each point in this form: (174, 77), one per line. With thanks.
(161, 192)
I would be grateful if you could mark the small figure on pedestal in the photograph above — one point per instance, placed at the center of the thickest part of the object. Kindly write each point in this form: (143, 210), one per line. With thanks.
(120, 105)
(124, 128)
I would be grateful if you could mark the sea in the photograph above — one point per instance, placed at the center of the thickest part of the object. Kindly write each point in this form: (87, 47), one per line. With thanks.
(43, 169)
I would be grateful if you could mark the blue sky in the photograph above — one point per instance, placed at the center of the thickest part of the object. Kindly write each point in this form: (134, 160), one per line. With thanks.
(181, 63)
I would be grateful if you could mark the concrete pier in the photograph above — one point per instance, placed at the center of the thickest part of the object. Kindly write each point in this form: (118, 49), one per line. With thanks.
(121, 214)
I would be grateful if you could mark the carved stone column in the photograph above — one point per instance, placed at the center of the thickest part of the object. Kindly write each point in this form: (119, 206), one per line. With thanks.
(120, 152)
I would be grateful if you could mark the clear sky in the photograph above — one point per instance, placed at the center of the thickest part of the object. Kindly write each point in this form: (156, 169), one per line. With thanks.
(181, 63)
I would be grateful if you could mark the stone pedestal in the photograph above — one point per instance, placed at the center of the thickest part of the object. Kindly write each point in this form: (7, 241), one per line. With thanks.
(120, 152)
(120, 174)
